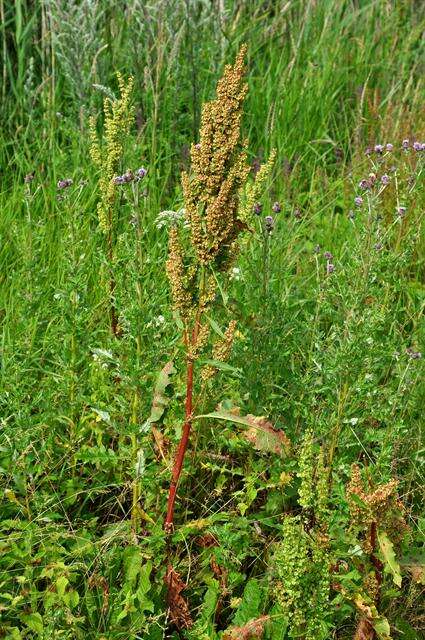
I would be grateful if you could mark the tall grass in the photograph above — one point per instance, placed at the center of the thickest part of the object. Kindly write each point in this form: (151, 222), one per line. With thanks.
(331, 353)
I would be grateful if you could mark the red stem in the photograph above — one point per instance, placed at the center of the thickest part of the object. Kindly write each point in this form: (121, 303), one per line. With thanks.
(181, 451)
(178, 463)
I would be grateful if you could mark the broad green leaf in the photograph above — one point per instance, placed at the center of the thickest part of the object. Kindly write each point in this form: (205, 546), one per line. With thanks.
(132, 560)
(382, 627)
(34, 621)
(71, 598)
(251, 605)
(387, 551)
(61, 584)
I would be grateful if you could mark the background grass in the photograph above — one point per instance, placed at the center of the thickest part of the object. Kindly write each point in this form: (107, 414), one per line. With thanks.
(326, 80)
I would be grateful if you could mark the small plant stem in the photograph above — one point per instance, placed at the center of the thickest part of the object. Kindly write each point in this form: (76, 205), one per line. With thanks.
(266, 263)
(135, 509)
(113, 311)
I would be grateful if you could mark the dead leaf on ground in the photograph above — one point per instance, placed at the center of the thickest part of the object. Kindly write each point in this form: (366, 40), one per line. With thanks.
(178, 607)
(364, 630)
(251, 630)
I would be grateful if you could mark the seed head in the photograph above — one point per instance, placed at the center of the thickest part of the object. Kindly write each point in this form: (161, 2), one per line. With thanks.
(107, 154)
(219, 169)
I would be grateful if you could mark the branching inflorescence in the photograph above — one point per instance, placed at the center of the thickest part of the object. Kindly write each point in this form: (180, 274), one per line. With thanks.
(107, 158)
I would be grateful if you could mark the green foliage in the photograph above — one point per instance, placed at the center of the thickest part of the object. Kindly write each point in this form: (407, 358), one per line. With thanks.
(326, 369)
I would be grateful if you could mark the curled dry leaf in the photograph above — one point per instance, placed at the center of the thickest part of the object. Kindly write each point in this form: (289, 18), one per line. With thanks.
(264, 437)
(178, 607)
(160, 400)
(159, 404)
(251, 630)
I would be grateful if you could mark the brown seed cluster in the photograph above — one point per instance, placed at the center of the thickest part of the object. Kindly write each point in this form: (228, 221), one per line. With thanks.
(212, 193)
(221, 351)
(219, 170)
(381, 506)
(177, 276)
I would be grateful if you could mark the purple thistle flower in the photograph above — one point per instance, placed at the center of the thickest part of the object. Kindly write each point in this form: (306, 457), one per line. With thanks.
(257, 208)
(328, 255)
(423, 146)
(358, 201)
(389, 146)
(364, 184)
(330, 268)
(379, 148)
(368, 151)
(372, 178)
(414, 355)
(385, 179)
(401, 211)
(64, 184)
(276, 208)
(317, 248)
(269, 223)
(417, 146)
(140, 173)
(118, 180)
(405, 144)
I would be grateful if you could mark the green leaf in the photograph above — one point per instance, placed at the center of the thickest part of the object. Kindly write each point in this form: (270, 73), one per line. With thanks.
(71, 598)
(34, 621)
(61, 584)
(132, 560)
(251, 605)
(387, 551)
(382, 627)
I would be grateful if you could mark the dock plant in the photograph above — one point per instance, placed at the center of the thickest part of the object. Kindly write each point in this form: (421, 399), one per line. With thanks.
(107, 156)
(217, 215)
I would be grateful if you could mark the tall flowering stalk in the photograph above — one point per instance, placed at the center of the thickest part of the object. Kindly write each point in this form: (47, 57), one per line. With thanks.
(107, 156)
(212, 195)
